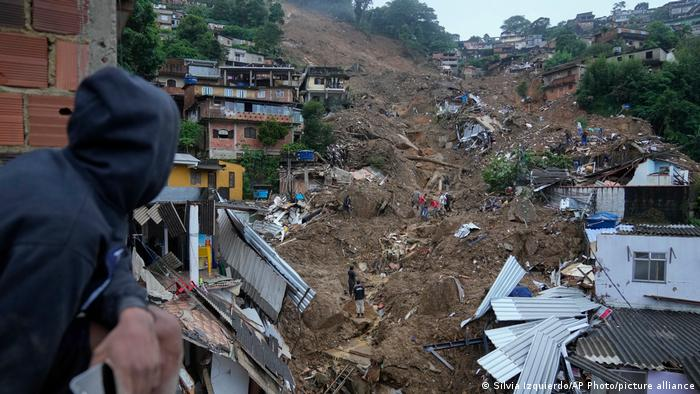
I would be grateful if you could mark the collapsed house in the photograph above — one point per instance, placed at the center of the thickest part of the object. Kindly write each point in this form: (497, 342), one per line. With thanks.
(201, 261)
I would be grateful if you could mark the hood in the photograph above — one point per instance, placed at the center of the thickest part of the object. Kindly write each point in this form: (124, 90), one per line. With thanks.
(123, 134)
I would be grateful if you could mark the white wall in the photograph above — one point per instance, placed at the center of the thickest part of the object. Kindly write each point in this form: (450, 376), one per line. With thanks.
(682, 271)
(608, 199)
(647, 174)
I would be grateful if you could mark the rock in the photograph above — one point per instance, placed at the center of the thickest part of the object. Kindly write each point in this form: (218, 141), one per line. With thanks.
(522, 210)
(507, 246)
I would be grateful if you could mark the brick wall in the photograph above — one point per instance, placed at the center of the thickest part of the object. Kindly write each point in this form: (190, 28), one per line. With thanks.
(43, 56)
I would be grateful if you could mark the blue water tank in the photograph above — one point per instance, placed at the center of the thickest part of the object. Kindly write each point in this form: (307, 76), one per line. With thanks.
(305, 155)
(190, 80)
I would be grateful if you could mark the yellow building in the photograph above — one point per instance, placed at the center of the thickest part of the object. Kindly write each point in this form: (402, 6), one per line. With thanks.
(190, 172)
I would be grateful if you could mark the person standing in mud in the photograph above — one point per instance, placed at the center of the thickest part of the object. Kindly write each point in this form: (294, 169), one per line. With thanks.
(358, 293)
(352, 278)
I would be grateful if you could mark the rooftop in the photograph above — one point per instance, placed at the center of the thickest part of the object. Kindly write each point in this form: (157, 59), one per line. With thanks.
(673, 230)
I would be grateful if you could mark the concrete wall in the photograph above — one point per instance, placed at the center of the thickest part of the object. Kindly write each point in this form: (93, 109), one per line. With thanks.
(616, 255)
(649, 173)
(44, 54)
(180, 177)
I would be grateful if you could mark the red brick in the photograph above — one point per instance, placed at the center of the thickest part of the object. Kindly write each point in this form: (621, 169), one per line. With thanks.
(24, 61)
(70, 69)
(58, 16)
(11, 119)
(12, 14)
(46, 126)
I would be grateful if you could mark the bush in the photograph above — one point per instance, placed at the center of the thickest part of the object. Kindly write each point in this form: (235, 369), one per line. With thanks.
(259, 169)
(317, 133)
(521, 89)
(270, 132)
(500, 174)
(376, 161)
(293, 147)
(190, 134)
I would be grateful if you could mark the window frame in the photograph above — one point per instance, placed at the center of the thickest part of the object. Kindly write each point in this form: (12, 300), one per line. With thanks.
(649, 260)
(195, 177)
(231, 177)
(255, 133)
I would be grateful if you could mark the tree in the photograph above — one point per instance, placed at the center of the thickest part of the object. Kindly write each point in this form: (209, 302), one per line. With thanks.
(474, 39)
(140, 50)
(190, 134)
(619, 6)
(259, 169)
(517, 24)
(268, 38)
(276, 13)
(522, 89)
(559, 57)
(270, 132)
(192, 37)
(360, 7)
(317, 133)
(568, 41)
(661, 35)
(599, 50)
(539, 26)
(642, 6)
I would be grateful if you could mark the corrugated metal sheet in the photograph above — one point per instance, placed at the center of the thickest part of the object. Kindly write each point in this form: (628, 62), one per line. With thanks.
(514, 308)
(11, 122)
(642, 338)
(24, 61)
(71, 64)
(141, 215)
(58, 16)
(540, 366)
(507, 362)
(172, 219)
(207, 217)
(505, 282)
(597, 370)
(504, 335)
(691, 367)
(12, 14)
(260, 281)
(47, 127)
(179, 194)
(299, 291)
(154, 214)
(674, 230)
(562, 292)
(186, 159)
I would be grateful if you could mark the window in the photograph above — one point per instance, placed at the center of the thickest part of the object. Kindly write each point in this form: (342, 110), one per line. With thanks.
(318, 81)
(650, 55)
(240, 93)
(619, 58)
(228, 92)
(649, 267)
(211, 179)
(207, 91)
(231, 179)
(223, 133)
(171, 83)
(250, 132)
(279, 93)
(164, 18)
(261, 93)
(195, 178)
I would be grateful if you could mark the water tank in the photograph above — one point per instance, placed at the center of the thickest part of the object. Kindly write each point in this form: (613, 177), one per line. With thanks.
(190, 80)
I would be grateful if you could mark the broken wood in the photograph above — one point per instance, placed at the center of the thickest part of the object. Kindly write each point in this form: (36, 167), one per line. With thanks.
(438, 162)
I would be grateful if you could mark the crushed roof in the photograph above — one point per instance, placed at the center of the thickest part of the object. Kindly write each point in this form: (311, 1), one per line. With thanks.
(643, 338)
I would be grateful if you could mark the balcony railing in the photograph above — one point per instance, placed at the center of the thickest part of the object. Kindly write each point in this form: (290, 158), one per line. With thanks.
(258, 114)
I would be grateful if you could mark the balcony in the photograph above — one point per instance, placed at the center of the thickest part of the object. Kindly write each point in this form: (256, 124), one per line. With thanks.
(258, 114)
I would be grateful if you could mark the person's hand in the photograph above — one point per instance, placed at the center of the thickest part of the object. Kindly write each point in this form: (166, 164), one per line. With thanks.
(131, 349)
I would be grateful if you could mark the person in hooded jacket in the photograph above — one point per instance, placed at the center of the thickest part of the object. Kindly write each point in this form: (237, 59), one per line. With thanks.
(69, 298)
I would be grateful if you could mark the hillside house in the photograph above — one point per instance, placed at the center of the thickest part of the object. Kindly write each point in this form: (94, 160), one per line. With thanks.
(240, 57)
(323, 83)
(164, 17)
(653, 57)
(230, 42)
(562, 80)
(233, 109)
(190, 176)
(629, 37)
(654, 267)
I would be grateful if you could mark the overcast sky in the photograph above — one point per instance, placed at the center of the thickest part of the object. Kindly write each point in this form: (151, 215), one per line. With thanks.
(477, 17)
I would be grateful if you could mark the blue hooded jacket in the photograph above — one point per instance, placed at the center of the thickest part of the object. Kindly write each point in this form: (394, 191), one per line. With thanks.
(63, 211)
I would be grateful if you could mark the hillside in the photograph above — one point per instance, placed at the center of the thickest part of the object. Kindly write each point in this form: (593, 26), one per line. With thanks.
(411, 266)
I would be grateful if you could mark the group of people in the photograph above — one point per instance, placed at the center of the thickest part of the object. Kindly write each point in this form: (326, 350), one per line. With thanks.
(431, 206)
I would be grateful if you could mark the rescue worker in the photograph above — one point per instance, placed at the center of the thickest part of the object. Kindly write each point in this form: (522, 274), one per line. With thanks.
(358, 293)
(352, 277)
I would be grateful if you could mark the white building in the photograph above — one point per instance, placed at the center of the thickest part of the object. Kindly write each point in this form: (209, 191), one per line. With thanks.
(653, 267)
(241, 57)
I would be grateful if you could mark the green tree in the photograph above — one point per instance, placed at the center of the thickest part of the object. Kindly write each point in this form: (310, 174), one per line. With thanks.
(500, 174)
(599, 50)
(259, 169)
(559, 57)
(194, 39)
(661, 35)
(317, 133)
(268, 38)
(270, 132)
(243, 33)
(190, 134)
(568, 41)
(522, 88)
(361, 7)
(140, 50)
(276, 13)
(539, 26)
(517, 24)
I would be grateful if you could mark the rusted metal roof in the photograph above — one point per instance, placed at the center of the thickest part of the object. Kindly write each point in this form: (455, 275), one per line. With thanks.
(12, 14)
(642, 338)
(24, 61)
(11, 123)
(58, 16)
(71, 66)
(47, 127)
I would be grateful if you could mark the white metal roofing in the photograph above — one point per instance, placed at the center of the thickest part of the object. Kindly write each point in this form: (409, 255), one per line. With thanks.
(516, 308)
(508, 361)
(540, 366)
(185, 159)
(562, 292)
(504, 335)
(505, 282)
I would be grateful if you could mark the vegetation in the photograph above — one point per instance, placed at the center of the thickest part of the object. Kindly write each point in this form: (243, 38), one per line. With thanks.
(259, 169)
(193, 39)
(341, 9)
(139, 48)
(502, 173)
(190, 134)
(376, 161)
(669, 99)
(270, 132)
(293, 147)
(317, 133)
(522, 89)
(558, 58)
(517, 24)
